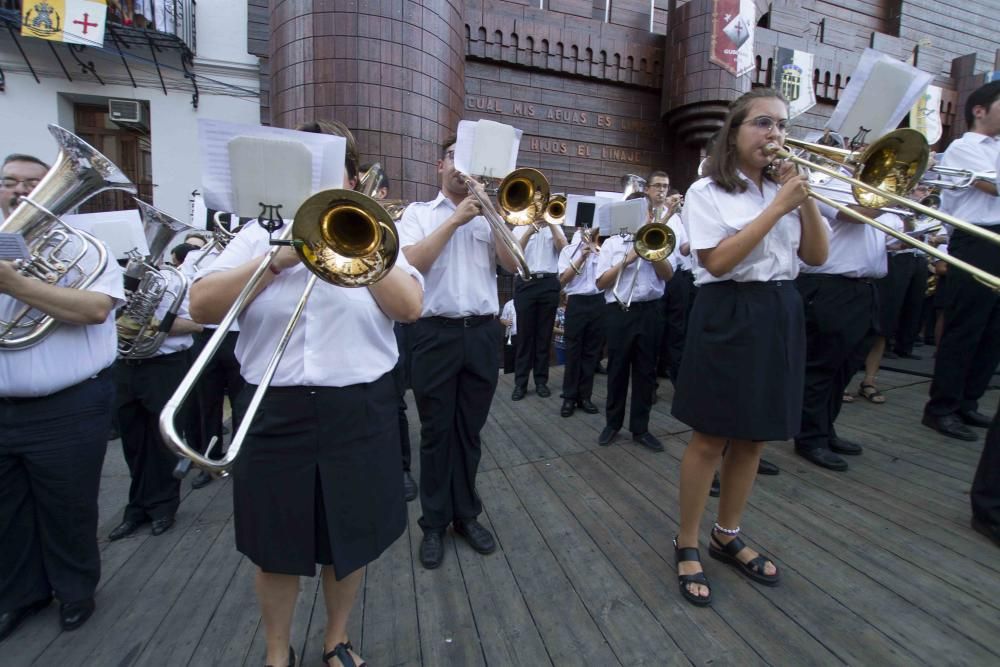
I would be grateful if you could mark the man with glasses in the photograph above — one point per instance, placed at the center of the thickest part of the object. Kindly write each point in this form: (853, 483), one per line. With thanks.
(21, 173)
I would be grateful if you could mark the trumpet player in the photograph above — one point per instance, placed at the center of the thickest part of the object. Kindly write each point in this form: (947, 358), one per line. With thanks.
(536, 301)
(632, 335)
(56, 399)
(584, 326)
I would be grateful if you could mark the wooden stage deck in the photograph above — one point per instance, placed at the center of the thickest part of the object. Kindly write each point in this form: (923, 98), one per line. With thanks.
(880, 565)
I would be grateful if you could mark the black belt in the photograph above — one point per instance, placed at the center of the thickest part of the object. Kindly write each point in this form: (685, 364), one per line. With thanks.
(836, 276)
(586, 297)
(163, 358)
(540, 275)
(21, 400)
(470, 321)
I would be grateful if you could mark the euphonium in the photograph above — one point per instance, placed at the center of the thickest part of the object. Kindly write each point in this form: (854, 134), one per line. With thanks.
(60, 254)
(140, 333)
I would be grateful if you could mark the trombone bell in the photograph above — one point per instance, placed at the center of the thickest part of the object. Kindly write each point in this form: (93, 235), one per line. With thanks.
(523, 195)
(555, 211)
(654, 241)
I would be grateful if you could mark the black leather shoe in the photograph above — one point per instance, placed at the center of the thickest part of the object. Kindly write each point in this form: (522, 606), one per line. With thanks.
(949, 425)
(124, 529)
(432, 549)
(824, 458)
(846, 447)
(410, 489)
(74, 614)
(543, 390)
(908, 355)
(716, 489)
(648, 440)
(518, 393)
(765, 467)
(588, 407)
(203, 479)
(601, 369)
(990, 530)
(10, 620)
(568, 406)
(478, 537)
(607, 435)
(162, 525)
(974, 418)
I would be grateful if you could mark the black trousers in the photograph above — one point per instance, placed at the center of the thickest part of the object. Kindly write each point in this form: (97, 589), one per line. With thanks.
(143, 387)
(631, 352)
(679, 297)
(509, 350)
(455, 372)
(912, 285)
(536, 302)
(221, 378)
(583, 333)
(986, 484)
(51, 455)
(969, 349)
(401, 378)
(841, 317)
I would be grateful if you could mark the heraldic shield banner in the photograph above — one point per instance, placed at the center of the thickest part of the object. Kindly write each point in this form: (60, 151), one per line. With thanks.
(733, 24)
(71, 21)
(793, 77)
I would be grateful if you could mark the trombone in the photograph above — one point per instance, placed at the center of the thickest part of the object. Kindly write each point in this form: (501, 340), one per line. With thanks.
(653, 242)
(892, 164)
(496, 222)
(966, 178)
(343, 237)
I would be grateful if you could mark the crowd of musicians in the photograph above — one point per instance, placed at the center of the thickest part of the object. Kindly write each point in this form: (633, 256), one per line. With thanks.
(768, 306)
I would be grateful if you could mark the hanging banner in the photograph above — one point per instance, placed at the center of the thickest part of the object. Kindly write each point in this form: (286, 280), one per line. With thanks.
(925, 116)
(733, 24)
(793, 76)
(71, 21)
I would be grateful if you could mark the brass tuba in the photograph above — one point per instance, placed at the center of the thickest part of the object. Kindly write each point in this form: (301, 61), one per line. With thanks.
(59, 253)
(140, 333)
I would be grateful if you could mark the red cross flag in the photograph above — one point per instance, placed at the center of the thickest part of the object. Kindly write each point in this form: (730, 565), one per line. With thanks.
(72, 21)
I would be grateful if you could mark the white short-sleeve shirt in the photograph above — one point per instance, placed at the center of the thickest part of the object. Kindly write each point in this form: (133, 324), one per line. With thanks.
(978, 153)
(71, 353)
(711, 215)
(540, 252)
(679, 261)
(648, 285)
(343, 337)
(462, 281)
(585, 283)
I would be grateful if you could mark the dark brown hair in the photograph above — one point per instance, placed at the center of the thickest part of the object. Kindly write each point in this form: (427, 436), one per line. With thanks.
(657, 174)
(983, 96)
(22, 157)
(351, 157)
(722, 166)
(448, 143)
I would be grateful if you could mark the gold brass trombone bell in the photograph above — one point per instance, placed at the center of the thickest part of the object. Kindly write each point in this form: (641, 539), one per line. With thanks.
(523, 196)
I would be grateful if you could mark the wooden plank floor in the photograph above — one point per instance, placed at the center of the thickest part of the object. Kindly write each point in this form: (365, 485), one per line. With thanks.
(880, 565)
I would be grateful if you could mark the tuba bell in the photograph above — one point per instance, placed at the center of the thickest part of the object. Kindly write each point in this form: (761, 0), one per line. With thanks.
(59, 254)
(140, 334)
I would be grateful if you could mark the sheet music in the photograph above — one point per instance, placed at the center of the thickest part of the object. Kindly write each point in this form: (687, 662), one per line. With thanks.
(121, 231)
(486, 148)
(13, 247)
(623, 216)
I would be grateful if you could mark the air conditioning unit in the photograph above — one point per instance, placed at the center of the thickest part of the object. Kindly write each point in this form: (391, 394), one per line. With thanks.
(131, 114)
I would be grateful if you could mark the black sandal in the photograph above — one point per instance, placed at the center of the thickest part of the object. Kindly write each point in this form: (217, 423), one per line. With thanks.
(691, 554)
(342, 652)
(754, 569)
(291, 657)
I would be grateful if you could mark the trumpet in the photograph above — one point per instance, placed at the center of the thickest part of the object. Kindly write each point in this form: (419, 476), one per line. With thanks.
(343, 237)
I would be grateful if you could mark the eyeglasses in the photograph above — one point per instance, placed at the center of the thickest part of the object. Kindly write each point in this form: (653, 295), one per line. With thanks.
(658, 186)
(449, 155)
(11, 183)
(766, 124)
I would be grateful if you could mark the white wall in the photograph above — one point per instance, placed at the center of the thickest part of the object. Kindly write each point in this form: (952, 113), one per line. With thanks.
(30, 107)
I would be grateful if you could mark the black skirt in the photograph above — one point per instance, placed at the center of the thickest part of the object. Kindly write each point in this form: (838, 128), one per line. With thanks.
(319, 478)
(743, 369)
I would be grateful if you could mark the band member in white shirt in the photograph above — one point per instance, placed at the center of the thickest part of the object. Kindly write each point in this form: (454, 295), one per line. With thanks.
(969, 349)
(584, 326)
(536, 301)
(56, 399)
(18, 177)
(317, 480)
(143, 387)
(632, 335)
(742, 374)
(456, 347)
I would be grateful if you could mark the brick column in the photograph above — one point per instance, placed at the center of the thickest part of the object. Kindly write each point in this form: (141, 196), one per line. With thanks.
(393, 72)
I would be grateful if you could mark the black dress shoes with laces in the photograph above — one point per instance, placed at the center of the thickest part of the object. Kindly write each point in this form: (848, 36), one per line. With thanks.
(824, 458)
(10, 620)
(974, 418)
(607, 435)
(476, 535)
(74, 614)
(162, 525)
(846, 447)
(648, 440)
(543, 390)
(410, 489)
(124, 529)
(432, 549)
(568, 406)
(588, 407)
(949, 425)
(518, 393)
(765, 467)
